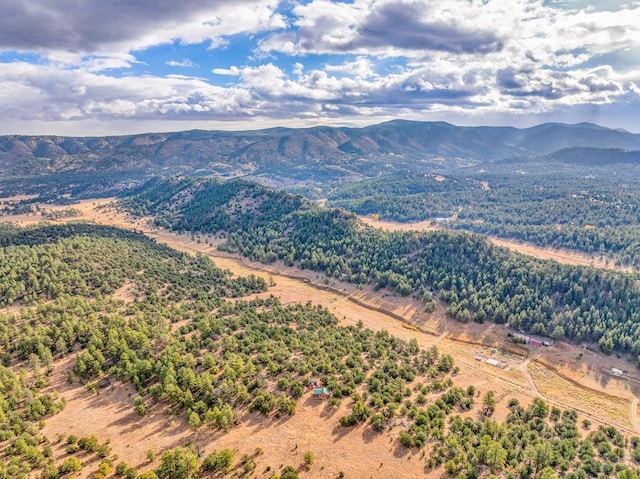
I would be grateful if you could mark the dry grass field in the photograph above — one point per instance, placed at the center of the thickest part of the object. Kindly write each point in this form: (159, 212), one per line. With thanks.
(314, 427)
(566, 375)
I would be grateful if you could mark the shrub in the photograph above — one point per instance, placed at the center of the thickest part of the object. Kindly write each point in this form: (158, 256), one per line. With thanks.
(179, 463)
(219, 461)
(308, 458)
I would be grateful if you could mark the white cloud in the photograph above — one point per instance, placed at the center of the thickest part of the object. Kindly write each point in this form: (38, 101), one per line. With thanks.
(298, 68)
(360, 68)
(185, 63)
(55, 94)
(232, 71)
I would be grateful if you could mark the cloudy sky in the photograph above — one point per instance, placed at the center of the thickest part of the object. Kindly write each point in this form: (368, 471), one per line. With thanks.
(122, 66)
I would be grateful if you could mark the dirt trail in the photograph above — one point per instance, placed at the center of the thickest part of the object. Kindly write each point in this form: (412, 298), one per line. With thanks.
(524, 368)
(634, 415)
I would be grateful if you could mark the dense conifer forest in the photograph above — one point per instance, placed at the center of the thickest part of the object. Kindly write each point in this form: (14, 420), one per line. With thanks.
(595, 214)
(478, 281)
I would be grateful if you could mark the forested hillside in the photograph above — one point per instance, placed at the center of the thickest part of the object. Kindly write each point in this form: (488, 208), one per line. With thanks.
(290, 157)
(230, 359)
(62, 281)
(479, 282)
(595, 214)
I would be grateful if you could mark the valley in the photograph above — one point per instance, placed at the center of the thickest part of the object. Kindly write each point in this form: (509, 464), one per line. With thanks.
(554, 374)
(188, 360)
(319, 239)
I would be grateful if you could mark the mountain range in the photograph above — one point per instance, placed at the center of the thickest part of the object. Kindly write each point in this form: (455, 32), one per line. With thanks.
(313, 155)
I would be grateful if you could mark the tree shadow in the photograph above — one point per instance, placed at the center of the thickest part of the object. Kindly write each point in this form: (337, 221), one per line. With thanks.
(339, 432)
(400, 451)
(369, 434)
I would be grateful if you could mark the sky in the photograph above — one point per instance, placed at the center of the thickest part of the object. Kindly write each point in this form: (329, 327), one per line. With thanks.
(102, 67)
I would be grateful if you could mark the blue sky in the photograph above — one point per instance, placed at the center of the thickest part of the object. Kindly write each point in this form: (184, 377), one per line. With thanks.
(125, 66)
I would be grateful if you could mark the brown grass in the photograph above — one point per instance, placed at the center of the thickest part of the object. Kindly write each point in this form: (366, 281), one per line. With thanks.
(607, 408)
(314, 427)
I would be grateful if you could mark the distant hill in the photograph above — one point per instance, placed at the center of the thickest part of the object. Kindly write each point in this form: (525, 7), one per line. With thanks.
(310, 155)
(573, 161)
(594, 156)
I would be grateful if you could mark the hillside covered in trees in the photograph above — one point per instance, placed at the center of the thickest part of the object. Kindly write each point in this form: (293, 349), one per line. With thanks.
(315, 154)
(478, 281)
(237, 357)
(595, 214)
(55, 166)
